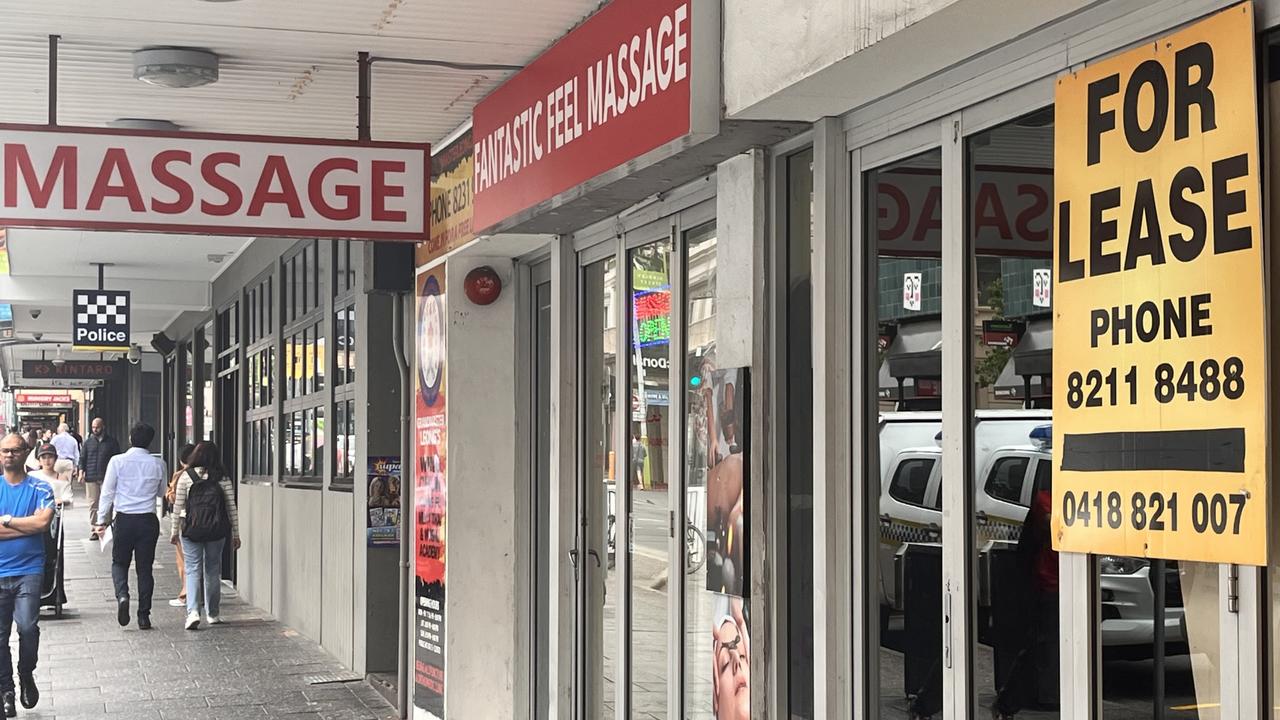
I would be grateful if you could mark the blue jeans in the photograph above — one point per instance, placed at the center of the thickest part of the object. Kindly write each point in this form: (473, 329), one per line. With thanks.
(204, 567)
(20, 602)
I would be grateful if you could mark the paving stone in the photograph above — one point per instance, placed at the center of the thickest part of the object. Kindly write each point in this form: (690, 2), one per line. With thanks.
(250, 668)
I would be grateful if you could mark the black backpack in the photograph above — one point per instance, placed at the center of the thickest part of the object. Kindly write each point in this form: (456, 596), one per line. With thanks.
(206, 512)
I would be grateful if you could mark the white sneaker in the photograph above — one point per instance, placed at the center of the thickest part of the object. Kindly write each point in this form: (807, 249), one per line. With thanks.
(193, 620)
(177, 602)
(213, 620)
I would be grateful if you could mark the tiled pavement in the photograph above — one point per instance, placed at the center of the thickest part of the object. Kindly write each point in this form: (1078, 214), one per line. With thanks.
(251, 667)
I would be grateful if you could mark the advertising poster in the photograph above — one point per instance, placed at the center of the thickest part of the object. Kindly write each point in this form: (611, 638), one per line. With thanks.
(726, 483)
(1160, 367)
(384, 502)
(451, 177)
(430, 500)
(726, 411)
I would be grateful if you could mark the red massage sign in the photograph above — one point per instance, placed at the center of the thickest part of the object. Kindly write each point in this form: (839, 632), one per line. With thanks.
(615, 88)
(101, 179)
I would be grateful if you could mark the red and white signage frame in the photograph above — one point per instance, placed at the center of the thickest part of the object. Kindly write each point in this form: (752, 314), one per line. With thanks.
(550, 129)
(214, 184)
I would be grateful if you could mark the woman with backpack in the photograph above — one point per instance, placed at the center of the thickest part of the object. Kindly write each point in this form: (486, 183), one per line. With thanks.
(204, 511)
(170, 495)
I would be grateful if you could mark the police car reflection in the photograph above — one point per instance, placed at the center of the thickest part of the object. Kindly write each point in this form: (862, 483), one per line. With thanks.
(1013, 462)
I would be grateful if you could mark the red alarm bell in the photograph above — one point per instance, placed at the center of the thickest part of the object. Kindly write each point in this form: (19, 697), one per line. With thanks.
(482, 285)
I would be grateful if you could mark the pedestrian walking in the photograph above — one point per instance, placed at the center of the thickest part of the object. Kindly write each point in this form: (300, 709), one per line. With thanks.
(205, 515)
(33, 441)
(47, 455)
(132, 484)
(98, 450)
(26, 509)
(68, 451)
(170, 496)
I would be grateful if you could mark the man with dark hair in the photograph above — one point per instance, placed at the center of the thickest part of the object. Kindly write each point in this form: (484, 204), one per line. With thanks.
(26, 509)
(131, 485)
(98, 450)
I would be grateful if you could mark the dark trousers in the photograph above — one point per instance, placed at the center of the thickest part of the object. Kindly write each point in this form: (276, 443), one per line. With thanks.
(134, 538)
(20, 603)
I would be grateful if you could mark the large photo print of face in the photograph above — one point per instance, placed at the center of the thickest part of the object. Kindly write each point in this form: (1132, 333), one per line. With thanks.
(726, 539)
(731, 660)
(430, 341)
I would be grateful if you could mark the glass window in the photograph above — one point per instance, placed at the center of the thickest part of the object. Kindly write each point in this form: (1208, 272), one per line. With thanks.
(206, 382)
(186, 366)
(650, 349)
(799, 465)
(717, 656)
(317, 356)
(1006, 478)
(904, 289)
(1009, 224)
(911, 480)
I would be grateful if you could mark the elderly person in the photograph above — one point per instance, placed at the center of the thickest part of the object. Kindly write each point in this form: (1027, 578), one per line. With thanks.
(68, 451)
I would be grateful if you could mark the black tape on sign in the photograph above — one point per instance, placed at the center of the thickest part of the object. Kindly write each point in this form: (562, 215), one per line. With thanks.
(1216, 450)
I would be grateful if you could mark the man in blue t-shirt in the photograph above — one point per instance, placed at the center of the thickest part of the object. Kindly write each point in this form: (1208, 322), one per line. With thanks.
(26, 509)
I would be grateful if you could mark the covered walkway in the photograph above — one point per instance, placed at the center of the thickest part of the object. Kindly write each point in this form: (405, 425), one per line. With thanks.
(251, 667)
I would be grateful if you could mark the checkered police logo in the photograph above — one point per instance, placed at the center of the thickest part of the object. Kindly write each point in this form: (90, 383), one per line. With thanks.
(101, 320)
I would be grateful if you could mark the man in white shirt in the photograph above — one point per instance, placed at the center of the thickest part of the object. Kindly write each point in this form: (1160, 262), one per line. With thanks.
(68, 452)
(133, 482)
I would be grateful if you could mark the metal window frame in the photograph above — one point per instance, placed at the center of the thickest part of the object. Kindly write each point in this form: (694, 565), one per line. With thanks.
(775, 395)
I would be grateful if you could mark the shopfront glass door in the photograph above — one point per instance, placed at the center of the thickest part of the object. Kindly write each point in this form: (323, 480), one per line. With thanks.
(594, 556)
(970, 609)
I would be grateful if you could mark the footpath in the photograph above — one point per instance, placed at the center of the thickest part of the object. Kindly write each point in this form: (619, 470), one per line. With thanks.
(250, 667)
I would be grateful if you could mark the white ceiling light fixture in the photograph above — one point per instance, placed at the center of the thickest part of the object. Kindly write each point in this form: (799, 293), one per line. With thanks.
(175, 67)
(143, 124)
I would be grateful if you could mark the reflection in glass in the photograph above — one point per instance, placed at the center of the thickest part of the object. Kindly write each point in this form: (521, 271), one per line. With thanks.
(701, 671)
(598, 651)
(187, 368)
(1009, 224)
(206, 412)
(650, 352)
(1139, 676)
(906, 295)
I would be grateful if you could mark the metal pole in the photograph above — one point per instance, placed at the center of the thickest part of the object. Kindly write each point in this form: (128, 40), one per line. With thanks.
(364, 100)
(102, 283)
(53, 78)
(1158, 667)
(406, 506)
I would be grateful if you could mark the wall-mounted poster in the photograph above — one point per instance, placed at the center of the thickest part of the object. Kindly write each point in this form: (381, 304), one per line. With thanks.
(727, 482)
(430, 493)
(384, 501)
(725, 406)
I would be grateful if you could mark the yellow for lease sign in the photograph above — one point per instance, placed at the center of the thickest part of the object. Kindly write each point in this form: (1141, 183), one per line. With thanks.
(1159, 363)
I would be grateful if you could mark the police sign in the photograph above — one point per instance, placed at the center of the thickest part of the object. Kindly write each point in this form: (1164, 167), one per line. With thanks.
(100, 320)
(1160, 377)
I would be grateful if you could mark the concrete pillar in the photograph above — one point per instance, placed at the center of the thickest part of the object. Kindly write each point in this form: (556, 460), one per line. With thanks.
(483, 635)
(376, 599)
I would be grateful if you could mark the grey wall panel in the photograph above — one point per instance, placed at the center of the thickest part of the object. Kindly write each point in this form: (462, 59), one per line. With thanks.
(255, 554)
(297, 590)
(338, 579)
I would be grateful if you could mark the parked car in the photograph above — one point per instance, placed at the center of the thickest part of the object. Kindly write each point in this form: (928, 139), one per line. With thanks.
(1013, 460)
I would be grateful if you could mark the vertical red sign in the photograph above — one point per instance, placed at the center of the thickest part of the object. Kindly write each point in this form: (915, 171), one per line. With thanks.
(430, 492)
